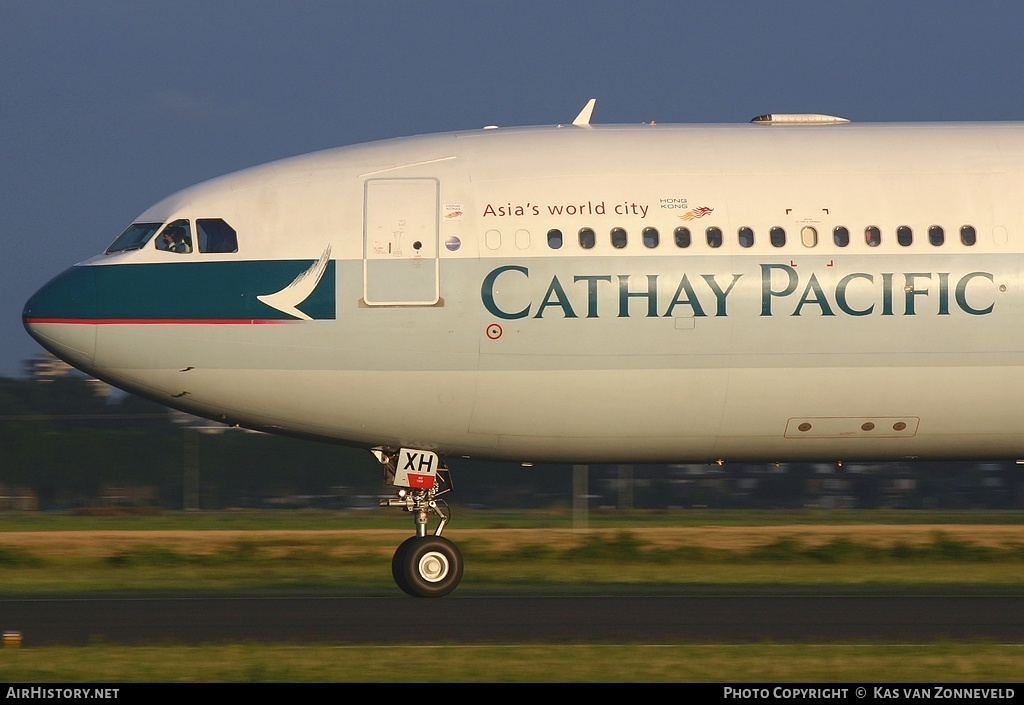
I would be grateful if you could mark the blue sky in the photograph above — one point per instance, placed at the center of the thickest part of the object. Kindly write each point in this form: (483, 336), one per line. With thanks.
(107, 106)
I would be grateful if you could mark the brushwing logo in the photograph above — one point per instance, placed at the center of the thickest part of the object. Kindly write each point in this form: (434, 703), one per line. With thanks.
(287, 299)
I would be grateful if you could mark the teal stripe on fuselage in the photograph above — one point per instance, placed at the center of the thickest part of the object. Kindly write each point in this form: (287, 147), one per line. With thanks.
(180, 291)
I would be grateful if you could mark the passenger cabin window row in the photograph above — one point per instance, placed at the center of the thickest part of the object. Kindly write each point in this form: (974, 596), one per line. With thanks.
(213, 235)
(808, 236)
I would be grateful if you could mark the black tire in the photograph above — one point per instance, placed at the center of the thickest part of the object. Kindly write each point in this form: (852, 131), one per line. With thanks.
(398, 565)
(432, 567)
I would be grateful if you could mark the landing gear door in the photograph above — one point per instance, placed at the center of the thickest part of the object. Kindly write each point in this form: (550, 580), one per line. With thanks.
(400, 227)
(416, 468)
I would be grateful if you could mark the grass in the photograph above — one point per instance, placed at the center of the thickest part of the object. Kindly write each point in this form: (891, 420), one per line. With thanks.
(507, 552)
(943, 662)
(100, 519)
(867, 557)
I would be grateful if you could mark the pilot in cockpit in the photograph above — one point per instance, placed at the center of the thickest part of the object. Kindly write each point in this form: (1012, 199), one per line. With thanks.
(174, 239)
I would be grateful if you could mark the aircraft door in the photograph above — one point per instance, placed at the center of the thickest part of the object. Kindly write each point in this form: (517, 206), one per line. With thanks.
(400, 230)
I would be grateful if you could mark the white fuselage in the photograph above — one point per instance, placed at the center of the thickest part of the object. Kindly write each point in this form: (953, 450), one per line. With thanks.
(415, 292)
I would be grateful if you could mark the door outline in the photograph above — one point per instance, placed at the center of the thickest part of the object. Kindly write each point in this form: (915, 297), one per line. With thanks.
(398, 215)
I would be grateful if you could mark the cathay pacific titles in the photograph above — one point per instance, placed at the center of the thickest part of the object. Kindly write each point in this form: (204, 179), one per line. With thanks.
(783, 290)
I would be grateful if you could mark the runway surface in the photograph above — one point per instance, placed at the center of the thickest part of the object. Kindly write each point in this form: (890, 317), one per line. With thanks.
(512, 619)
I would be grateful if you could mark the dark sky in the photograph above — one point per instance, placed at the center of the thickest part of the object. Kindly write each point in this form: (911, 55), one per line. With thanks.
(107, 106)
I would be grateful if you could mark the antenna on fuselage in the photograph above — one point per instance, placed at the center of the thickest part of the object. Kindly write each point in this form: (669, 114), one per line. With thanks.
(583, 119)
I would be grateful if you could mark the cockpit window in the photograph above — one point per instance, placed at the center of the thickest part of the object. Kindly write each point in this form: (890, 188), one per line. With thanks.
(176, 237)
(134, 238)
(216, 236)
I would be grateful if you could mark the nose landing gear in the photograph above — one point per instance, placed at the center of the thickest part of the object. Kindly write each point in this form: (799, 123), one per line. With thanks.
(423, 565)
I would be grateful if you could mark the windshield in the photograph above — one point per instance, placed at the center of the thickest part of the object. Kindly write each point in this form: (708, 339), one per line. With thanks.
(134, 238)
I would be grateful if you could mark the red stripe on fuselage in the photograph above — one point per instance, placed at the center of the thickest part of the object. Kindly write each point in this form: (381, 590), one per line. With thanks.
(161, 321)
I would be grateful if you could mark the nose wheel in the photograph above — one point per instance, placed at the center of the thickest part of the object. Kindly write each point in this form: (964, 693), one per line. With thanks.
(427, 566)
(423, 565)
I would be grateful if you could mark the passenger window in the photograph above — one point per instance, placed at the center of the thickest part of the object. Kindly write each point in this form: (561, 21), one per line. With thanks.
(746, 237)
(841, 236)
(682, 237)
(493, 239)
(587, 238)
(872, 236)
(968, 236)
(176, 237)
(554, 239)
(808, 236)
(216, 236)
(904, 235)
(651, 237)
(777, 236)
(936, 236)
(714, 236)
(618, 238)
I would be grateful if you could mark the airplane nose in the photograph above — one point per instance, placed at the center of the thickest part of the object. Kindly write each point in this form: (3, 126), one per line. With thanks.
(61, 316)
